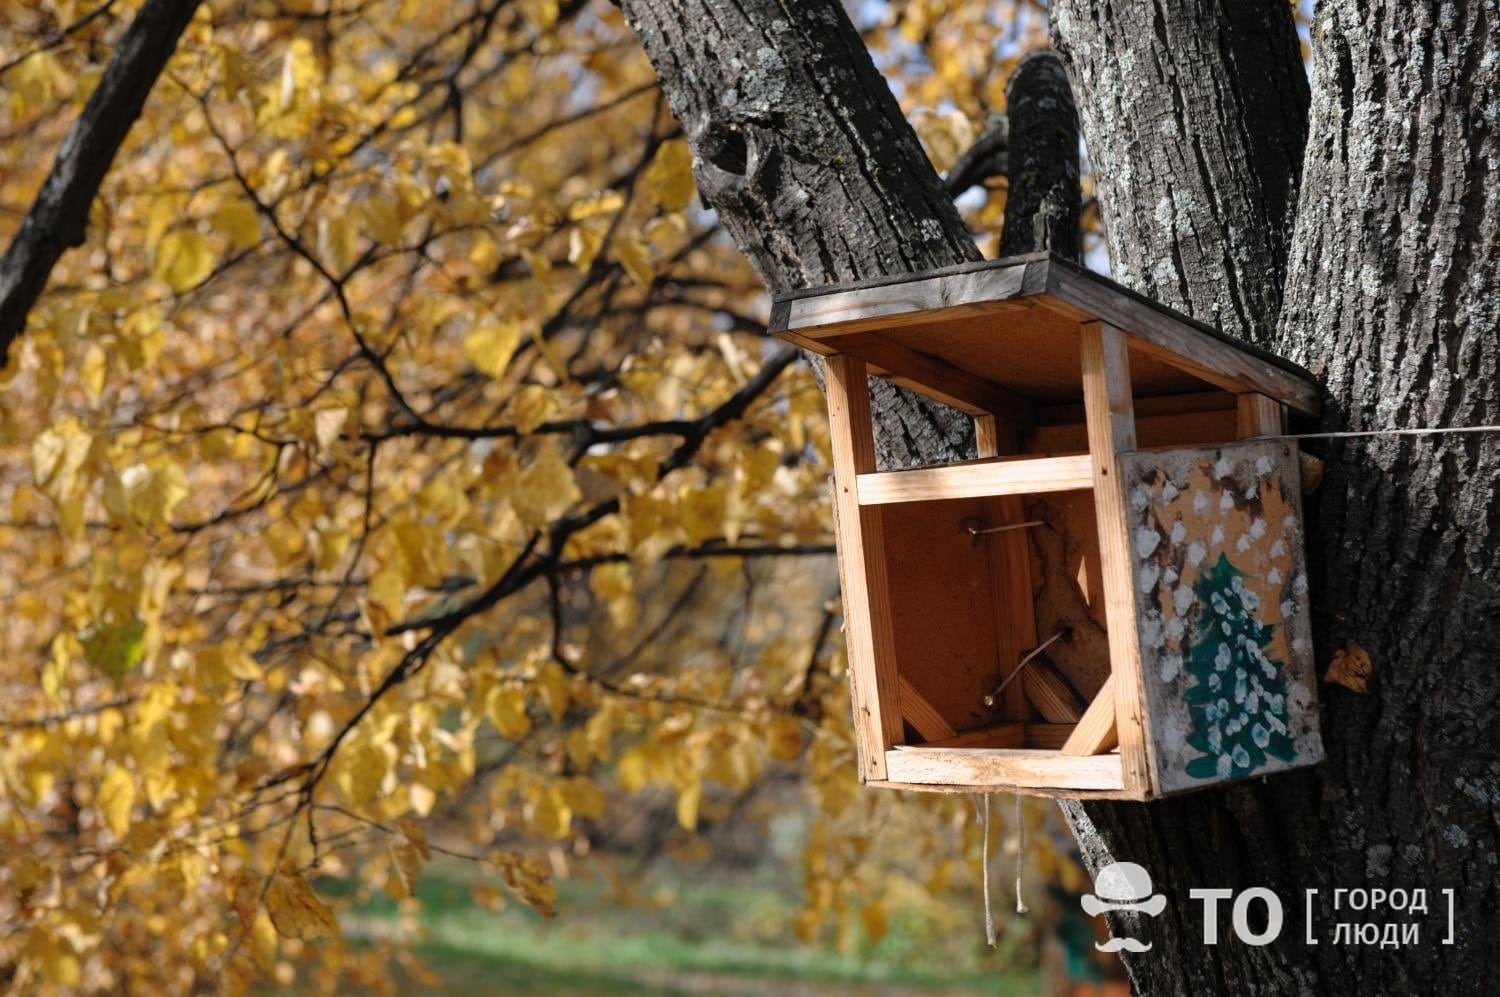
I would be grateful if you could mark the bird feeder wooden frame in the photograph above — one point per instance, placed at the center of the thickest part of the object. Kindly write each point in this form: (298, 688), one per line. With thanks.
(1110, 601)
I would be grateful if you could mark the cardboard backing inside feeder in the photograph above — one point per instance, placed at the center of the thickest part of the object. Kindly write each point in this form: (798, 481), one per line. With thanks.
(1113, 536)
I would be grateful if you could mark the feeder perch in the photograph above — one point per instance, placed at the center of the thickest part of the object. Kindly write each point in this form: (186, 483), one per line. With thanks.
(1156, 551)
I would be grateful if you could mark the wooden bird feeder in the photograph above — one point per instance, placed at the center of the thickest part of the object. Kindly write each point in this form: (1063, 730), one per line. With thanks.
(1111, 601)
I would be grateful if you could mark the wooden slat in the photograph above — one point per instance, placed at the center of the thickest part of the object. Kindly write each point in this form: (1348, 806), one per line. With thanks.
(1260, 416)
(978, 480)
(1159, 332)
(1008, 556)
(918, 712)
(862, 569)
(999, 768)
(981, 291)
(935, 378)
(1111, 422)
(1006, 735)
(1183, 404)
(1042, 792)
(1052, 697)
(1181, 430)
(1098, 731)
(1010, 735)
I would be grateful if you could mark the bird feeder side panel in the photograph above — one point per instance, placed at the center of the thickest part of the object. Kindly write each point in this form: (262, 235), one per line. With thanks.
(1220, 584)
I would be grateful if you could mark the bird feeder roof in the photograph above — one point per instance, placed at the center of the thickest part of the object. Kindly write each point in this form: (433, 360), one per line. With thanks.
(1002, 337)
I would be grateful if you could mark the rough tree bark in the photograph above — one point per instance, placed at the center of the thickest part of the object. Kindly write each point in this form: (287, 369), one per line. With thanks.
(1390, 293)
(58, 217)
(1195, 115)
(1042, 197)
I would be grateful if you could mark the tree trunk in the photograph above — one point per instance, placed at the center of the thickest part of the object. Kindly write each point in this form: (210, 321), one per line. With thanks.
(1195, 116)
(1389, 292)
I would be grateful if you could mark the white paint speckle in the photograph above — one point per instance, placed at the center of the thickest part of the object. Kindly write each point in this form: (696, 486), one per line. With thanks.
(1146, 541)
(1195, 553)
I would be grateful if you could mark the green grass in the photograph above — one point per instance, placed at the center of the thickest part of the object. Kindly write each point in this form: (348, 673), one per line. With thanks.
(695, 936)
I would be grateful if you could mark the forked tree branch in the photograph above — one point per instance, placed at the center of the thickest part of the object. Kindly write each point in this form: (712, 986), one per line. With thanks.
(58, 218)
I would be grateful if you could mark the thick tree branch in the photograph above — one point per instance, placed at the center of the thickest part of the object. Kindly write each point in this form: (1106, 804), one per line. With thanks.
(1043, 199)
(58, 219)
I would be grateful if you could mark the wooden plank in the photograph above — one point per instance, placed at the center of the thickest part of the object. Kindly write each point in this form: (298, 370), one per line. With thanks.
(1111, 422)
(918, 712)
(1000, 768)
(862, 569)
(1097, 732)
(1006, 735)
(1180, 430)
(1183, 404)
(1029, 476)
(1008, 556)
(935, 297)
(1260, 416)
(1052, 697)
(1042, 792)
(935, 378)
(1010, 735)
(1160, 332)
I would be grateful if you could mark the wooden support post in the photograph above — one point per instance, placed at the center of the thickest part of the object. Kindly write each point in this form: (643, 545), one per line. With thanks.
(1009, 556)
(922, 715)
(1053, 698)
(862, 569)
(1097, 732)
(1110, 414)
(1259, 416)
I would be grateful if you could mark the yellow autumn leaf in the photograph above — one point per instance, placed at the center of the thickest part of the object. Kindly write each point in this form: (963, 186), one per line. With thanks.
(116, 797)
(507, 711)
(91, 374)
(549, 813)
(328, 424)
(636, 259)
(545, 490)
(239, 221)
(597, 204)
(151, 493)
(296, 910)
(555, 688)
(490, 345)
(688, 799)
(183, 259)
(669, 178)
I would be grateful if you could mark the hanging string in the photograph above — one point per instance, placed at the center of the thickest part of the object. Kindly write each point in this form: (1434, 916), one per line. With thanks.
(984, 863)
(1021, 907)
(994, 697)
(1435, 431)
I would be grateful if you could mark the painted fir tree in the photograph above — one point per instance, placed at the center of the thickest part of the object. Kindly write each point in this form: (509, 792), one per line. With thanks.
(1237, 701)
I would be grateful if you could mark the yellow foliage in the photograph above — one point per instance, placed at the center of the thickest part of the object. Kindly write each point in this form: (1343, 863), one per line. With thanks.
(295, 909)
(363, 484)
